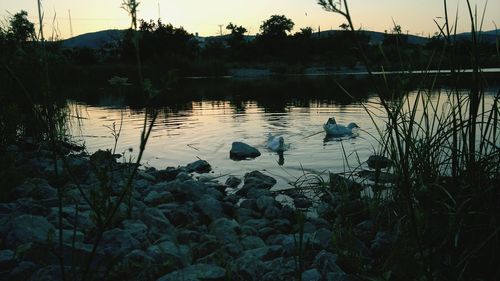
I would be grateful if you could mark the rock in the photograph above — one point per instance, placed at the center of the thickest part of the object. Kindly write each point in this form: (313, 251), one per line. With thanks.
(22, 271)
(29, 206)
(378, 162)
(250, 265)
(265, 202)
(241, 151)
(311, 275)
(169, 252)
(179, 214)
(6, 259)
(137, 258)
(200, 167)
(186, 236)
(118, 242)
(196, 272)
(137, 229)
(280, 269)
(170, 173)
(259, 180)
(322, 238)
(257, 223)
(252, 242)
(38, 189)
(146, 176)
(26, 228)
(183, 176)
(281, 225)
(78, 165)
(48, 273)
(102, 158)
(209, 207)
(255, 180)
(250, 204)
(272, 213)
(233, 182)
(302, 203)
(225, 230)
(158, 224)
(327, 262)
(155, 198)
(205, 251)
(308, 227)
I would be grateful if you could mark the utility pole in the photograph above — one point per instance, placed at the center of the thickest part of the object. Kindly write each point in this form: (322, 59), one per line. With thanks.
(70, 23)
(220, 28)
(159, 11)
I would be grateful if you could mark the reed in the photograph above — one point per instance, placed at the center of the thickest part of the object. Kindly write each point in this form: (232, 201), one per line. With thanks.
(444, 144)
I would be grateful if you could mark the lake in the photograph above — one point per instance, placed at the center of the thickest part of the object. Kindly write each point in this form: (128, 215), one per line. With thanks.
(203, 119)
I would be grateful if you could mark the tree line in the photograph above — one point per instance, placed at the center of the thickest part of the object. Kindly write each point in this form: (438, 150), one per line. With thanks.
(175, 47)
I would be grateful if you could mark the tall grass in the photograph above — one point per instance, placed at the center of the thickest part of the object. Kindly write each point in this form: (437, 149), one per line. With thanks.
(444, 144)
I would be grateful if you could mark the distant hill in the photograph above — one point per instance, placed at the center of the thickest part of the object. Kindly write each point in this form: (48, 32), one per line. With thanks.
(94, 40)
(98, 39)
(485, 36)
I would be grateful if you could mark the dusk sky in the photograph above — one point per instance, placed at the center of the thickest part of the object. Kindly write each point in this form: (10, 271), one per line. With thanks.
(203, 17)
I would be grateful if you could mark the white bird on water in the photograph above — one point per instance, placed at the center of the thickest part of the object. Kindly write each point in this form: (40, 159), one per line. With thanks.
(275, 143)
(336, 130)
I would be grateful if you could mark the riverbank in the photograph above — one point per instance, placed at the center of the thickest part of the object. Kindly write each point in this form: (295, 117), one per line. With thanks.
(174, 224)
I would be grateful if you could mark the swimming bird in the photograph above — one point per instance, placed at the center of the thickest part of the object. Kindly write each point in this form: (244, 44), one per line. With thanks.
(336, 130)
(275, 143)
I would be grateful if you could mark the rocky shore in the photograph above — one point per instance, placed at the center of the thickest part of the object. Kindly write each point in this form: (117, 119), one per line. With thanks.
(173, 224)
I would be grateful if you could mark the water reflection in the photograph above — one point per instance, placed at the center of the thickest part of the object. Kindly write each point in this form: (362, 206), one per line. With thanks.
(203, 123)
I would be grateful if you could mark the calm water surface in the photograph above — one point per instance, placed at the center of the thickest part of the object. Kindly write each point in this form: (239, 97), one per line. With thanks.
(206, 128)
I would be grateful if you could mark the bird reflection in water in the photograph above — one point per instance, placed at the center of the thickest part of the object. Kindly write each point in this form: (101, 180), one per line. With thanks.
(281, 159)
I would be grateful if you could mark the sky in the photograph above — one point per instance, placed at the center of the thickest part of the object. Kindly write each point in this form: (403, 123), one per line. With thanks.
(204, 17)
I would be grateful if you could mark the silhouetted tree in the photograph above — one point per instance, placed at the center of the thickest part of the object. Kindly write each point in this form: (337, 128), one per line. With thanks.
(344, 26)
(276, 26)
(237, 36)
(20, 28)
(396, 37)
(159, 41)
(305, 32)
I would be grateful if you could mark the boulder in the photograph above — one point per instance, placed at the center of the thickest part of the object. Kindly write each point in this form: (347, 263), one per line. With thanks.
(38, 189)
(170, 252)
(155, 198)
(327, 262)
(241, 151)
(118, 243)
(157, 223)
(225, 230)
(48, 273)
(26, 229)
(311, 275)
(233, 182)
(255, 181)
(22, 271)
(6, 259)
(252, 242)
(209, 207)
(200, 167)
